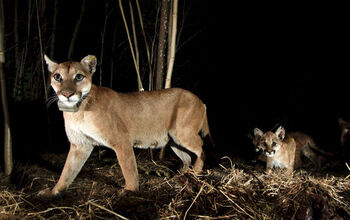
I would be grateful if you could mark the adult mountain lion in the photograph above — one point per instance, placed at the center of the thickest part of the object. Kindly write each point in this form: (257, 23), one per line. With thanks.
(96, 115)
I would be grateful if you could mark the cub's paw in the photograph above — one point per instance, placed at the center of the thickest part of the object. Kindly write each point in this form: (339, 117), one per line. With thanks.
(46, 194)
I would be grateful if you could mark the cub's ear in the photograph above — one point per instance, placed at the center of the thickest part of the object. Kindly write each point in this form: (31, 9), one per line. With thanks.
(280, 132)
(90, 63)
(258, 132)
(51, 66)
(341, 121)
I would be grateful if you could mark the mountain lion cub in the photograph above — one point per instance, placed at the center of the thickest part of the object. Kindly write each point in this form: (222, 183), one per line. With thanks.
(96, 115)
(345, 131)
(305, 147)
(280, 151)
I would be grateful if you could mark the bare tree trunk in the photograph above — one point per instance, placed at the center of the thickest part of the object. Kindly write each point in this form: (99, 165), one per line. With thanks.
(76, 30)
(161, 43)
(103, 38)
(15, 32)
(53, 34)
(137, 56)
(41, 50)
(169, 30)
(112, 61)
(25, 49)
(7, 136)
(8, 162)
(18, 80)
(153, 51)
(172, 43)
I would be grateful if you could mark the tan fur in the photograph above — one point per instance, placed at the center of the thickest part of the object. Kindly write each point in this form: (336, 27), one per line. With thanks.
(305, 146)
(121, 121)
(279, 151)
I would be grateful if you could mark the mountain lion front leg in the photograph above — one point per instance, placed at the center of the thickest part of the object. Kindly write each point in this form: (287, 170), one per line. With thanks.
(127, 162)
(77, 156)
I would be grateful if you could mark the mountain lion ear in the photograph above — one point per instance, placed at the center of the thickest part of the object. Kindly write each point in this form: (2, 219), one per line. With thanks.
(258, 132)
(281, 133)
(341, 121)
(51, 66)
(90, 62)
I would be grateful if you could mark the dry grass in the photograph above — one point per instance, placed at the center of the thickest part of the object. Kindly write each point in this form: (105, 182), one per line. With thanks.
(226, 192)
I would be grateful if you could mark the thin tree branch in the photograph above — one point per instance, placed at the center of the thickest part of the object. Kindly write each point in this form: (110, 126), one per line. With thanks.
(54, 25)
(76, 30)
(41, 49)
(150, 85)
(131, 47)
(172, 45)
(134, 35)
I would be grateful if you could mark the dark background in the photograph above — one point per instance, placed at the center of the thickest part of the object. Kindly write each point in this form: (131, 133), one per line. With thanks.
(254, 65)
(279, 64)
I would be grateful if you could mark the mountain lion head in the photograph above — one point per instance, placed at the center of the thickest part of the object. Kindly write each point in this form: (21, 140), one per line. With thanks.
(345, 131)
(270, 143)
(72, 81)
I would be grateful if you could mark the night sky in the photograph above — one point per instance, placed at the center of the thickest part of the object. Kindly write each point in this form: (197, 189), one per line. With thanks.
(254, 65)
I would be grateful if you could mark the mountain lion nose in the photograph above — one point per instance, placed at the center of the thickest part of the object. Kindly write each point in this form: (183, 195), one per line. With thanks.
(67, 94)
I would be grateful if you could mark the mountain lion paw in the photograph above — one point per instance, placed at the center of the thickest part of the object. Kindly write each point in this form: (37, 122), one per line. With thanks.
(46, 194)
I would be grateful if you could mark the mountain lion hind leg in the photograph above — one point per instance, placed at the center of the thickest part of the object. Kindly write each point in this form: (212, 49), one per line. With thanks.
(187, 133)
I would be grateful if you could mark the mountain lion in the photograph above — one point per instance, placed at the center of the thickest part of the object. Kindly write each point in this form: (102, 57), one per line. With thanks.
(305, 147)
(345, 131)
(280, 151)
(96, 115)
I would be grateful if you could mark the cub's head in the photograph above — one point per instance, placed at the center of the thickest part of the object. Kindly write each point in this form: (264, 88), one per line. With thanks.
(345, 131)
(71, 81)
(255, 140)
(269, 142)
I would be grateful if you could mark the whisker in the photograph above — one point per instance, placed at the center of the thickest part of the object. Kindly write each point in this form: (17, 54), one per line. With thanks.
(51, 100)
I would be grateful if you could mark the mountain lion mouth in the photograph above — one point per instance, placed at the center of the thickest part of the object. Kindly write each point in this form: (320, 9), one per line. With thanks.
(270, 154)
(70, 106)
(62, 106)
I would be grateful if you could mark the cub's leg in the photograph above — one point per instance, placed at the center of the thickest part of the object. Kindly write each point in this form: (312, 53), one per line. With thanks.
(289, 170)
(77, 156)
(127, 162)
(290, 166)
(269, 164)
(185, 157)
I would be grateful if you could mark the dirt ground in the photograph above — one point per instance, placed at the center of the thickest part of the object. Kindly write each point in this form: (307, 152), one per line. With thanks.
(235, 189)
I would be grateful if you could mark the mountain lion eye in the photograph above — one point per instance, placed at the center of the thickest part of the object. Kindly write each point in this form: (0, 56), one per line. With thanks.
(273, 144)
(57, 77)
(79, 77)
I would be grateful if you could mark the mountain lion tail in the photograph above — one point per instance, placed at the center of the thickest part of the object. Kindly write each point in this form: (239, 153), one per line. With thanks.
(205, 131)
(317, 149)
